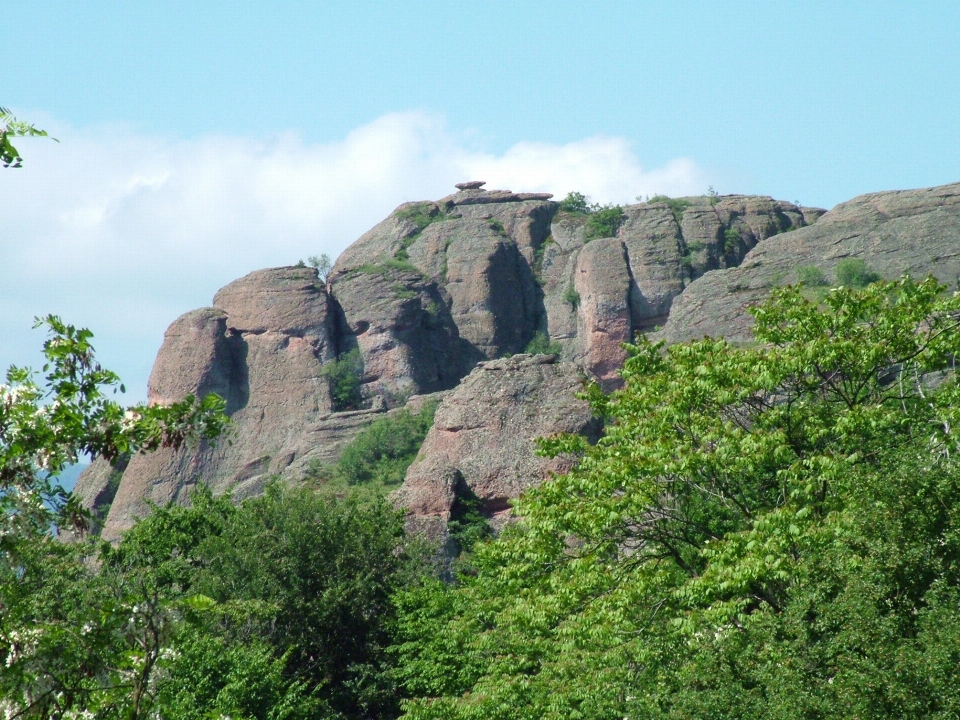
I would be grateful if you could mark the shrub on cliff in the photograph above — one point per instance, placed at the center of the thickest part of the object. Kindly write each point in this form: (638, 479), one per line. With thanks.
(345, 374)
(380, 454)
(602, 220)
(855, 273)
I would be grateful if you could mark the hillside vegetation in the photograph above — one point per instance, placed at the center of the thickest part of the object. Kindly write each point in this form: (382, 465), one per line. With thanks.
(763, 531)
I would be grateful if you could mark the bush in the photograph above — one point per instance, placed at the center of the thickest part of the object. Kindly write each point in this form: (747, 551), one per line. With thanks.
(344, 376)
(855, 273)
(537, 265)
(576, 203)
(497, 227)
(731, 241)
(572, 296)
(322, 264)
(381, 453)
(310, 575)
(811, 275)
(421, 215)
(676, 205)
(467, 525)
(604, 222)
(540, 344)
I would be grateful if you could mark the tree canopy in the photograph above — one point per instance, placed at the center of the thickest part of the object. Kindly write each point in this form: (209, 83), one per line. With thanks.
(10, 127)
(768, 531)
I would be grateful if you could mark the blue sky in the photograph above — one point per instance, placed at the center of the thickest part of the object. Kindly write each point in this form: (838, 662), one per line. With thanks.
(202, 140)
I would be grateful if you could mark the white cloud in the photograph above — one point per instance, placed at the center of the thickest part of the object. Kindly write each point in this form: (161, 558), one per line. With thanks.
(122, 232)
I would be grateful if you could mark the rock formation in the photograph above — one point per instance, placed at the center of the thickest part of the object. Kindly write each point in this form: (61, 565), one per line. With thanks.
(483, 440)
(913, 232)
(436, 295)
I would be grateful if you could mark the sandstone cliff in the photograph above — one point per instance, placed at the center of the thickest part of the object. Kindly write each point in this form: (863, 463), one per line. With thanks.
(435, 295)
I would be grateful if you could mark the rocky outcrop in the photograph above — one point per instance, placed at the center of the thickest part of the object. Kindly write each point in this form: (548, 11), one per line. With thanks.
(483, 441)
(507, 266)
(261, 348)
(914, 232)
(433, 298)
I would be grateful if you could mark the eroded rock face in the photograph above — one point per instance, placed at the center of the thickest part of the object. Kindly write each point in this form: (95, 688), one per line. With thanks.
(914, 232)
(483, 438)
(261, 348)
(426, 295)
(401, 322)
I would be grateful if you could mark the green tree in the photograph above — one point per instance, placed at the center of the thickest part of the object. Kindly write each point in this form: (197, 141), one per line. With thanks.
(345, 375)
(322, 264)
(855, 273)
(67, 640)
(378, 457)
(765, 532)
(10, 127)
(323, 569)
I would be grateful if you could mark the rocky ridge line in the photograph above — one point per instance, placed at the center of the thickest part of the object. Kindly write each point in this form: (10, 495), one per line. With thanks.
(431, 298)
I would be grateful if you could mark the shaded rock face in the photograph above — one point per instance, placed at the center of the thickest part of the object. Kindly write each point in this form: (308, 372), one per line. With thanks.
(483, 440)
(509, 265)
(426, 295)
(402, 324)
(914, 232)
(261, 348)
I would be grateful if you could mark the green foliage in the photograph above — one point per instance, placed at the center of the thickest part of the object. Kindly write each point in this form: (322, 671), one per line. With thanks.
(767, 531)
(731, 241)
(571, 296)
(676, 205)
(540, 344)
(855, 273)
(45, 427)
(421, 216)
(400, 292)
(387, 267)
(279, 608)
(322, 264)
(345, 376)
(72, 638)
(323, 569)
(811, 275)
(209, 676)
(467, 525)
(576, 203)
(538, 254)
(604, 222)
(497, 227)
(10, 127)
(380, 454)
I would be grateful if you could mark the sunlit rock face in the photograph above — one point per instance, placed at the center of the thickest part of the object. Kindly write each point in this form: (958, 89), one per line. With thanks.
(433, 299)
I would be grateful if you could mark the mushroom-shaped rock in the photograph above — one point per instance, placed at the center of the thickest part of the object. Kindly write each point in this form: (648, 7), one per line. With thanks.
(470, 185)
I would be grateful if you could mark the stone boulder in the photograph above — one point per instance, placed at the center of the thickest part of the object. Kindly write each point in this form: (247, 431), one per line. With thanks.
(483, 441)
(401, 322)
